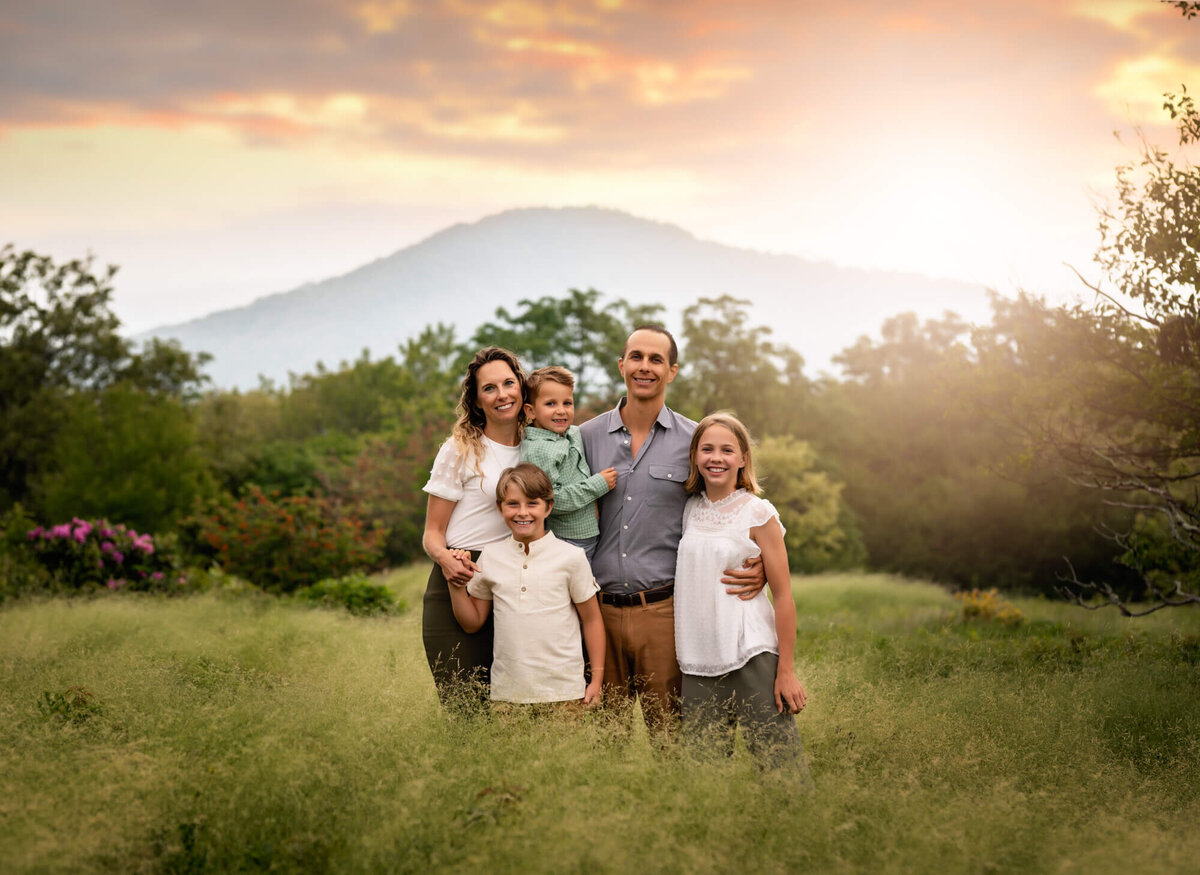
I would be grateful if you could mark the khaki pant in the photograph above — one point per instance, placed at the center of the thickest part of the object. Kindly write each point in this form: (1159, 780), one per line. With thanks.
(639, 660)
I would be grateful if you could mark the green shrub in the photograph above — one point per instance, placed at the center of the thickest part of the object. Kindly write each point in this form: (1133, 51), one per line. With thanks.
(283, 543)
(354, 592)
(20, 572)
(75, 706)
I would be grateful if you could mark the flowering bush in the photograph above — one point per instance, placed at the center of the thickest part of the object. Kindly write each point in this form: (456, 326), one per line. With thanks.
(285, 543)
(979, 604)
(85, 554)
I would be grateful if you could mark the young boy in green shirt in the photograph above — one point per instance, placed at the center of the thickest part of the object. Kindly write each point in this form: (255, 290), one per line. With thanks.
(553, 443)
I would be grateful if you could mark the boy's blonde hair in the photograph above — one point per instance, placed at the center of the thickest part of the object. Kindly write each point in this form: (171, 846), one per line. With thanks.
(529, 478)
(745, 477)
(549, 374)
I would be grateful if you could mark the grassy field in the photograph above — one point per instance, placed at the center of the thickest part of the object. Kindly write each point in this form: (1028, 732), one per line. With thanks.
(245, 734)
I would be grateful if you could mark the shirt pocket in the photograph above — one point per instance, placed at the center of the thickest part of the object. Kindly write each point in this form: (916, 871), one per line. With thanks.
(666, 485)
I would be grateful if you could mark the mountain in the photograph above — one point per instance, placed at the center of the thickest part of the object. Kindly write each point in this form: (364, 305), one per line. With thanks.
(462, 274)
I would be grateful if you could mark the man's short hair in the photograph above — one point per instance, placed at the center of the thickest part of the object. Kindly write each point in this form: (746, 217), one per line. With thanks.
(657, 329)
(549, 374)
(529, 478)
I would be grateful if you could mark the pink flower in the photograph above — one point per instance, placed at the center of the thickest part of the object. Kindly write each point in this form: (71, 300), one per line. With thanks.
(61, 531)
(34, 532)
(115, 584)
(106, 547)
(118, 556)
(158, 575)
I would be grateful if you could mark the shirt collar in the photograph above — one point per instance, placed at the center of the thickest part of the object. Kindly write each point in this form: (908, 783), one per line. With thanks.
(615, 423)
(535, 547)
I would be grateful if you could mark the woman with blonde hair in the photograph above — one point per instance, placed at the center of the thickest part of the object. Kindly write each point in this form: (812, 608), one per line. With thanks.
(462, 516)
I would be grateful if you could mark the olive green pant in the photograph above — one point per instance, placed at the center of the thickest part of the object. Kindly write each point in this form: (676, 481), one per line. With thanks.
(461, 662)
(713, 708)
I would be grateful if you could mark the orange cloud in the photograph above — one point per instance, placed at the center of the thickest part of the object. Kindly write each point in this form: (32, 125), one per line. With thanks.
(382, 16)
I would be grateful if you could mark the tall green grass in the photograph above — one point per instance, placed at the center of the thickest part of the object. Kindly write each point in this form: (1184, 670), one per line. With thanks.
(248, 734)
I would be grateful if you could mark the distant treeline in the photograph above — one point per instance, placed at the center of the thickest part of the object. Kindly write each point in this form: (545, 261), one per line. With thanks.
(911, 463)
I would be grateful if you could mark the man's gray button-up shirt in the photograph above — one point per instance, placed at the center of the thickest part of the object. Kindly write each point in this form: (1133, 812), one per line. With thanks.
(641, 519)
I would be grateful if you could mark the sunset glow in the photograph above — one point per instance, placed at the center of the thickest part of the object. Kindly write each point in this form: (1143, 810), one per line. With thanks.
(229, 150)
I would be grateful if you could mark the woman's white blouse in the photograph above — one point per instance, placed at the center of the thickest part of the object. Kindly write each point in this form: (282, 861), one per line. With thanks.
(475, 520)
(715, 632)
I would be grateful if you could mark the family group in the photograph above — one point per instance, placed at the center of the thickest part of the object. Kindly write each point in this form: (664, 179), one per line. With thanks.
(646, 579)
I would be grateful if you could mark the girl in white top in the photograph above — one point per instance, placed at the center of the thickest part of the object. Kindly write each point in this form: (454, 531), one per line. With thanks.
(736, 655)
(462, 515)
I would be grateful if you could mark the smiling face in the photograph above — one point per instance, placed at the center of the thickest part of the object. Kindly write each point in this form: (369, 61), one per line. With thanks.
(498, 394)
(554, 407)
(524, 516)
(718, 458)
(646, 365)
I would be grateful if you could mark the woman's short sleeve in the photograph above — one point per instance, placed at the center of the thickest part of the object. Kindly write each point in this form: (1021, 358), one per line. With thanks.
(760, 513)
(446, 479)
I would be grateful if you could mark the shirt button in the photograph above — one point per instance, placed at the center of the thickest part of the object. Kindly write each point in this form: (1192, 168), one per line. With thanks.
(526, 565)
(669, 476)
(624, 527)
(522, 589)
(629, 498)
(623, 555)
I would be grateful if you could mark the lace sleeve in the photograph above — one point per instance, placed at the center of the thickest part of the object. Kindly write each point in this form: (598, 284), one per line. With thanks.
(760, 511)
(446, 480)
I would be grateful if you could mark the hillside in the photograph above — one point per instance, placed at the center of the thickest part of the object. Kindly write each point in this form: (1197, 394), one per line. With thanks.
(462, 274)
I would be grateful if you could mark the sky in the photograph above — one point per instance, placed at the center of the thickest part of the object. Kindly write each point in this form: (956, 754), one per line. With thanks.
(220, 150)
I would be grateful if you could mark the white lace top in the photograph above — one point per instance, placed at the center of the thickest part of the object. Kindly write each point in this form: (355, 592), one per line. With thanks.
(714, 631)
(475, 520)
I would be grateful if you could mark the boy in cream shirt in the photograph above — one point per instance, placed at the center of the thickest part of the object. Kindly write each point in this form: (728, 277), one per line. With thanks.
(543, 591)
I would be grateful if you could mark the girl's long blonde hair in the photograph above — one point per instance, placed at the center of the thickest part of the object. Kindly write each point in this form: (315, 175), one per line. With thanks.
(745, 477)
(468, 427)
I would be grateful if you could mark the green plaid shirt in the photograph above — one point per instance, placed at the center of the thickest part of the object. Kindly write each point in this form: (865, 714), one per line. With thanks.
(575, 487)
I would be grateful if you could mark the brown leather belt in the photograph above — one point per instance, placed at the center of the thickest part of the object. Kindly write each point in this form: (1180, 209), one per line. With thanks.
(643, 597)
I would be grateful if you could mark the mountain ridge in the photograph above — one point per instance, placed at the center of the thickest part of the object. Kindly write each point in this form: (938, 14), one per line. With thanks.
(816, 307)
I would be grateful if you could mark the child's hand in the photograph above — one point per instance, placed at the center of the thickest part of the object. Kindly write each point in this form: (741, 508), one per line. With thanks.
(593, 693)
(610, 477)
(460, 569)
(789, 693)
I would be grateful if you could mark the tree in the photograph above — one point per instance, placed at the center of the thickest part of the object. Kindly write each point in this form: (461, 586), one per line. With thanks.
(727, 364)
(1121, 408)
(820, 532)
(573, 331)
(59, 338)
(922, 462)
(123, 454)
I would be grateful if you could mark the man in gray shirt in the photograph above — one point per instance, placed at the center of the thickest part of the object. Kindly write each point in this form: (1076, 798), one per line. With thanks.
(641, 522)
